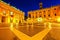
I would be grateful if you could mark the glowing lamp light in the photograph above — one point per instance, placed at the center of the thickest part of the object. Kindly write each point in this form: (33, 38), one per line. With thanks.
(11, 26)
(50, 18)
(50, 25)
(8, 20)
(11, 13)
(58, 19)
(39, 19)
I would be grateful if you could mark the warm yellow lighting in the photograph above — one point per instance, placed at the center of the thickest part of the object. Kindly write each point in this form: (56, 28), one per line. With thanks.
(58, 19)
(8, 19)
(16, 25)
(11, 13)
(29, 20)
(39, 19)
(49, 25)
(45, 25)
(11, 26)
(4, 12)
(50, 18)
(14, 20)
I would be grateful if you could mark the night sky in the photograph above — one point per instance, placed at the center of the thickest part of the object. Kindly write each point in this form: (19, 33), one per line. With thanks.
(28, 5)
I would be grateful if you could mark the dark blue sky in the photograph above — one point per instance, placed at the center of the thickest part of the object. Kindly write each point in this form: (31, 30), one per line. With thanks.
(27, 5)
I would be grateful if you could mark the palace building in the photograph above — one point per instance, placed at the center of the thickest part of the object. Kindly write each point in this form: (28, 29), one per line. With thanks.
(47, 13)
(10, 14)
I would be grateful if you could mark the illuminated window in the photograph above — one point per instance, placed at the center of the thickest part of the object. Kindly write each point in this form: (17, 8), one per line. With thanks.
(54, 8)
(49, 15)
(39, 12)
(29, 15)
(3, 19)
(44, 11)
(55, 14)
(36, 15)
(40, 15)
(44, 15)
(33, 16)
(59, 8)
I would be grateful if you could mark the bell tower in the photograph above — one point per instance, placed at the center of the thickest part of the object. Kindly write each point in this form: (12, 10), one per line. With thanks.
(41, 5)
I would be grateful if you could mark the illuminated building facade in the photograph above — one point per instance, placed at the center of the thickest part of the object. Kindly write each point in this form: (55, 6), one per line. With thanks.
(47, 13)
(9, 14)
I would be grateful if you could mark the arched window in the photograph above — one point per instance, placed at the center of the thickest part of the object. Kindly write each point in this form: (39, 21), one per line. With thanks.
(33, 16)
(40, 16)
(39, 12)
(54, 8)
(29, 15)
(48, 15)
(44, 11)
(55, 14)
(36, 15)
(44, 15)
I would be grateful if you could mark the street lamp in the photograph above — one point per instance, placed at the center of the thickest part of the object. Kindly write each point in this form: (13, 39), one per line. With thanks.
(39, 19)
(58, 19)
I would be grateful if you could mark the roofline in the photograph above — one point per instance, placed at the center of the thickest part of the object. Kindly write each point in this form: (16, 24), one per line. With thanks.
(10, 7)
(44, 8)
